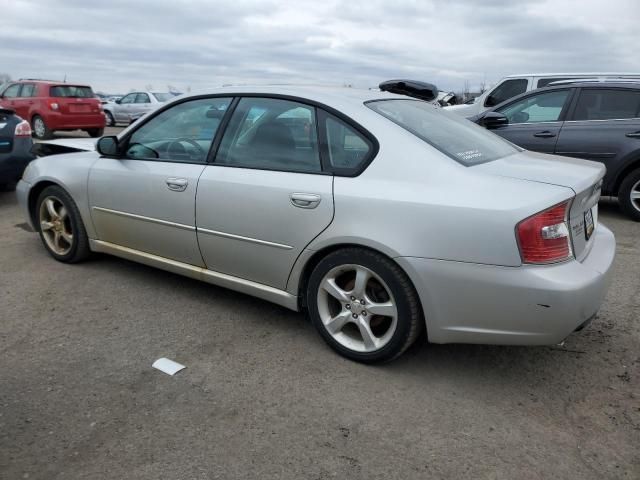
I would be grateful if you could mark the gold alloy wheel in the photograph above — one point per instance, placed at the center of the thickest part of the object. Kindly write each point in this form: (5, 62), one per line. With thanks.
(55, 224)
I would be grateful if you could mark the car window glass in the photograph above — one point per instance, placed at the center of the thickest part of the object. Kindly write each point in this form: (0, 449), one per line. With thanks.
(543, 82)
(12, 91)
(128, 98)
(183, 133)
(142, 98)
(163, 97)
(506, 90)
(28, 90)
(272, 134)
(448, 132)
(72, 91)
(602, 104)
(347, 147)
(543, 107)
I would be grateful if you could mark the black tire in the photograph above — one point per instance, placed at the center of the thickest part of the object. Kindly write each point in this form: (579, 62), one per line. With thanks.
(95, 132)
(79, 249)
(110, 121)
(40, 133)
(410, 322)
(631, 184)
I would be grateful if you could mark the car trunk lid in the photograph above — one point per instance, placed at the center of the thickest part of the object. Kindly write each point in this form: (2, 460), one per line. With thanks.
(74, 99)
(582, 176)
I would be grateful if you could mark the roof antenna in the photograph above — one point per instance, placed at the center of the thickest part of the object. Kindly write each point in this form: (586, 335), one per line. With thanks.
(65, 78)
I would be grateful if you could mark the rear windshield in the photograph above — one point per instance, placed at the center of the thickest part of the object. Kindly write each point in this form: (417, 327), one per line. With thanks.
(71, 91)
(163, 97)
(453, 135)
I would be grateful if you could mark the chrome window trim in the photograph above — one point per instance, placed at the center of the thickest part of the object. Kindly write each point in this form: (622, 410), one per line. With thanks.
(603, 120)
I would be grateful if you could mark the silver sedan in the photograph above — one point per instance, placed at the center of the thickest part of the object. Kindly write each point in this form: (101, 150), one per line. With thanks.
(379, 215)
(134, 104)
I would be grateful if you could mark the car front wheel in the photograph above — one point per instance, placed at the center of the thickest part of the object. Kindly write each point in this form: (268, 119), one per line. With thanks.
(629, 195)
(363, 305)
(60, 225)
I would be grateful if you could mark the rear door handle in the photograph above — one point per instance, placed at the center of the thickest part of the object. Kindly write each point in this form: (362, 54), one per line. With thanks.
(177, 184)
(633, 135)
(305, 200)
(545, 134)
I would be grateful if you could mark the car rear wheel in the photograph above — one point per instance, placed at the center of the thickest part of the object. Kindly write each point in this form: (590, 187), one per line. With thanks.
(363, 305)
(109, 119)
(95, 132)
(40, 129)
(60, 225)
(629, 195)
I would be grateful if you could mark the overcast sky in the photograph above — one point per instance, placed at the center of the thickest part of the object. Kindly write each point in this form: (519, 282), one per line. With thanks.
(119, 45)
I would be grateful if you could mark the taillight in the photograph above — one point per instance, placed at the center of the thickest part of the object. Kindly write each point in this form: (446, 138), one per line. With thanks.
(544, 237)
(54, 106)
(23, 129)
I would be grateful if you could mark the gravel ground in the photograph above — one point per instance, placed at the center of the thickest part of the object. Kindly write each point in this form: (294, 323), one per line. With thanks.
(263, 397)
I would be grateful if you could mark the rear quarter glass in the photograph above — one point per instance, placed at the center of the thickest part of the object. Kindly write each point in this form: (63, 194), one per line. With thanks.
(456, 137)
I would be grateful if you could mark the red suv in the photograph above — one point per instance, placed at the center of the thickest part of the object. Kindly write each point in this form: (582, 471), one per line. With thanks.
(51, 106)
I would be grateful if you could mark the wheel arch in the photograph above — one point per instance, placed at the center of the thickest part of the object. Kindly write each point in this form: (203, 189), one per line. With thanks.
(628, 168)
(34, 193)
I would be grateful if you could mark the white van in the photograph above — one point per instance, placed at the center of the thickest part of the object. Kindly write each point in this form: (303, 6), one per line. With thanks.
(514, 85)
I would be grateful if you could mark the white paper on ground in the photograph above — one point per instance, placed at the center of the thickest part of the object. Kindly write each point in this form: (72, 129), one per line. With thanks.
(167, 366)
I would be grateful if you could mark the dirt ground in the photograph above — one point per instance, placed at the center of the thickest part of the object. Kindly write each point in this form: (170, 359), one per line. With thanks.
(262, 397)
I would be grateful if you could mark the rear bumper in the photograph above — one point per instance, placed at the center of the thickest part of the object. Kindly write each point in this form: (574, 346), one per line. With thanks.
(59, 121)
(13, 164)
(526, 305)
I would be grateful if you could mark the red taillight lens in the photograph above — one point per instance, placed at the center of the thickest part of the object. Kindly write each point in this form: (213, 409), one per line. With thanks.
(23, 129)
(54, 106)
(544, 237)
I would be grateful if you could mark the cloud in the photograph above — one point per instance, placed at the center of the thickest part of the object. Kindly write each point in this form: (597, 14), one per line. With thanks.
(120, 45)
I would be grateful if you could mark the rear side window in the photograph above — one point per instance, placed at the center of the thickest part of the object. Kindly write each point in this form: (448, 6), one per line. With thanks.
(142, 98)
(12, 91)
(542, 107)
(72, 91)
(163, 97)
(543, 82)
(506, 90)
(271, 134)
(602, 104)
(28, 90)
(450, 133)
(347, 147)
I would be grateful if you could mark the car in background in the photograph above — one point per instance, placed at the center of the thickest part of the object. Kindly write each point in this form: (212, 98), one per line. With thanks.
(513, 85)
(15, 147)
(379, 214)
(50, 106)
(134, 104)
(597, 121)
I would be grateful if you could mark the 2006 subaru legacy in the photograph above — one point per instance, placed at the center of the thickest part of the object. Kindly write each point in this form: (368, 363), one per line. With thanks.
(377, 213)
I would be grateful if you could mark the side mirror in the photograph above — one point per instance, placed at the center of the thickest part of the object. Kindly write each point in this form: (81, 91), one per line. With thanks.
(494, 120)
(108, 146)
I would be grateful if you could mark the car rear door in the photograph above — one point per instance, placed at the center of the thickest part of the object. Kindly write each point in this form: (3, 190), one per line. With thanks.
(535, 120)
(603, 125)
(266, 195)
(141, 105)
(145, 201)
(10, 95)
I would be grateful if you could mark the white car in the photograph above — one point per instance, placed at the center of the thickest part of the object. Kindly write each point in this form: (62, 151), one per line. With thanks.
(134, 104)
(514, 85)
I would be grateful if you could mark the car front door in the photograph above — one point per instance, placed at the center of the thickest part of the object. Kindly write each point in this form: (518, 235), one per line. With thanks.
(266, 196)
(603, 126)
(23, 103)
(10, 95)
(122, 109)
(535, 121)
(146, 199)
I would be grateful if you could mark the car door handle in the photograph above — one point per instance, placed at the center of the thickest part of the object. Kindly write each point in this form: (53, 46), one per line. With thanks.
(633, 135)
(545, 134)
(305, 200)
(177, 184)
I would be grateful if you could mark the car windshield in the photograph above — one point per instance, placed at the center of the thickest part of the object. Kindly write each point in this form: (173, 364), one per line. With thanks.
(163, 97)
(71, 91)
(453, 135)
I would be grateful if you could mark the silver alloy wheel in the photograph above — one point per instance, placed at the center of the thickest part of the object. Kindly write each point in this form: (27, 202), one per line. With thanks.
(635, 195)
(55, 224)
(357, 308)
(39, 127)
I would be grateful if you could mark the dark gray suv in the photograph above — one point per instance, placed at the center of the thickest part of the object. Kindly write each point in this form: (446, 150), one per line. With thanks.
(591, 120)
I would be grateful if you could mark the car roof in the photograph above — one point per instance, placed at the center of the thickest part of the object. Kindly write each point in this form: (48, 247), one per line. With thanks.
(50, 82)
(583, 74)
(591, 84)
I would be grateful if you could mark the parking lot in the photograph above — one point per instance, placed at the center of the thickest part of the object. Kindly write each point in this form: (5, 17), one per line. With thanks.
(263, 397)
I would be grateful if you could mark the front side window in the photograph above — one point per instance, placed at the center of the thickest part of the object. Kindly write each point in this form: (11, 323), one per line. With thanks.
(72, 91)
(601, 104)
(506, 90)
(544, 107)
(131, 98)
(347, 147)
(12, 91)
(142, 98)
(271, 134)
(448, 132)
(183, 133)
